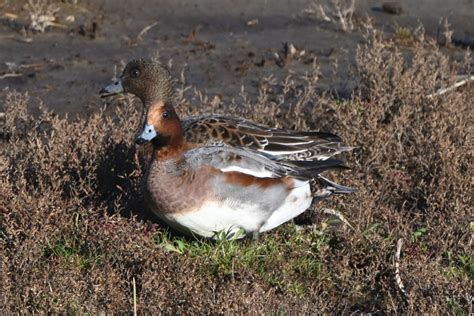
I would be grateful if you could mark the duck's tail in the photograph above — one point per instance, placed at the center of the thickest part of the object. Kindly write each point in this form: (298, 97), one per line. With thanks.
(334, 187)
(309, 169)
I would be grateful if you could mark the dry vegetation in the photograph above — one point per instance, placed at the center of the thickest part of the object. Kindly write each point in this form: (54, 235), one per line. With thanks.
(336, 11)
(74, 234)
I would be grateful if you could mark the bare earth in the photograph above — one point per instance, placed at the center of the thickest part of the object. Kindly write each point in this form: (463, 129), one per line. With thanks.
(66, 69)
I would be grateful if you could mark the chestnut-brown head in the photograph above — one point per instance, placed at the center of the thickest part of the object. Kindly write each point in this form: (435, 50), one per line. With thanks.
(148, 80)
(162, 127)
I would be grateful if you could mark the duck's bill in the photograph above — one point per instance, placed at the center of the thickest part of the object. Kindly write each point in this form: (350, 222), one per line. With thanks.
(147, 135)
(112, 89)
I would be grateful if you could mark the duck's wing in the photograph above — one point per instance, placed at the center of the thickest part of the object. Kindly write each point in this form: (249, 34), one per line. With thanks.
(288, 144)
(226, 159)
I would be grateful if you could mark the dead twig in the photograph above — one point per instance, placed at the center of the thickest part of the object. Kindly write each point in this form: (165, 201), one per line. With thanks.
(322, 14)
(42, 15)
(9, 75)
(461, 82)
(345, 15)
(134, 297)
(330, 211)
(36, 66)
(444, 33)
(16, 38)
(11, 16)
(145, 30)
(338, 10)
(398, 279)
(191, 37)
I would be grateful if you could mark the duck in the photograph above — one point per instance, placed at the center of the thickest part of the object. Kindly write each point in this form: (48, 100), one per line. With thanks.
(206, 189)
(152, 82)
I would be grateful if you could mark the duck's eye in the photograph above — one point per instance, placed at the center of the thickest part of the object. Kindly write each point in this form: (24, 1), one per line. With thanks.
(135, 73)
(166, 114)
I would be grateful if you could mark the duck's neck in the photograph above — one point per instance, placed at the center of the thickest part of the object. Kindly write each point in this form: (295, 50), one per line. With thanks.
(169, 152)
(166, 95)
(171, 146)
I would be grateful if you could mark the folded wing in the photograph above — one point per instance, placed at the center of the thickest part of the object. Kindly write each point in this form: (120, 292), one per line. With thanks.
(287, 144)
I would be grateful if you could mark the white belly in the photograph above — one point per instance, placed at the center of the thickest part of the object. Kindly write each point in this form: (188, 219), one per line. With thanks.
(213, 217)
(231, 216)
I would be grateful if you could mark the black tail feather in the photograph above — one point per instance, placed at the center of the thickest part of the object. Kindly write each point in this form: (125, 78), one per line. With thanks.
(311, 168)
(337, 188)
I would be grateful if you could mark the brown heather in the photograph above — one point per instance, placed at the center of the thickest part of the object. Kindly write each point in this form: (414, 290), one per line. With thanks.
(74, 233)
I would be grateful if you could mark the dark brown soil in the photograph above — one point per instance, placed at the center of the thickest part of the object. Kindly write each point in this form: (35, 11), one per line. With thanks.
(211, 41)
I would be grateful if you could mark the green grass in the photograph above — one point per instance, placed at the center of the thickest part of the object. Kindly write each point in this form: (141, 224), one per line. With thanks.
(283, 259)
(456, 308)
(460, 264)
(73, 251)
(419, 233)
(403, 33)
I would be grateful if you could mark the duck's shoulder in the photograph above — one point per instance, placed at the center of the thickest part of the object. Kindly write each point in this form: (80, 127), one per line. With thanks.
(234, 131)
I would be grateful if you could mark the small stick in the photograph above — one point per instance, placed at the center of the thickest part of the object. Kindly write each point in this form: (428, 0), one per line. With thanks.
(451, 88)
(59, 25)
(145, 30)
(16, 38)
(134, 297)
(338, 214)
(10, 75)
(323, 14)
(9, 15)
(36, 65)
(398, 279)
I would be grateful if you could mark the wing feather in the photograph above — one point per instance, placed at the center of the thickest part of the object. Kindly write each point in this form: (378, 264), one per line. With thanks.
(284, 143)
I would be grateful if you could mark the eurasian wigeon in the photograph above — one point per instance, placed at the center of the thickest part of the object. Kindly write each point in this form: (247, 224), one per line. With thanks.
(152, 83)
(205, 189)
